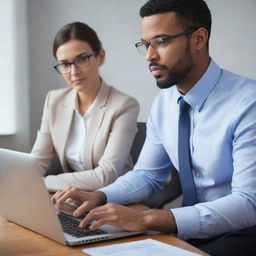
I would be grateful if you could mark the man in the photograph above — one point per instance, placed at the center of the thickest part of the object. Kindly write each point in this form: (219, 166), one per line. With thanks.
(203, 123)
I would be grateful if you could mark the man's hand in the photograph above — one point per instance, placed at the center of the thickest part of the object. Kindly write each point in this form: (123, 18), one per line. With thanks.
(131, 219)
(84, 201)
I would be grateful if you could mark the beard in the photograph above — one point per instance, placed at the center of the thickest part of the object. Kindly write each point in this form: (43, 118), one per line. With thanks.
(177, 74)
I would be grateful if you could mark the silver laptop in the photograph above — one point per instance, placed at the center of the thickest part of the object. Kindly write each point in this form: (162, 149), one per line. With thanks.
(25, 200)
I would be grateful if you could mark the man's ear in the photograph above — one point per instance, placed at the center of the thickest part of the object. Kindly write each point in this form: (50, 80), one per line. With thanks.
(199, 38)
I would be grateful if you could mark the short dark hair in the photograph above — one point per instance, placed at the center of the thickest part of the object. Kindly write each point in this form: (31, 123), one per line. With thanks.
(190, 13)
(77, 30)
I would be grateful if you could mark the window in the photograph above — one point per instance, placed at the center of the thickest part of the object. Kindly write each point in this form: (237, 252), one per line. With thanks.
(7, 68)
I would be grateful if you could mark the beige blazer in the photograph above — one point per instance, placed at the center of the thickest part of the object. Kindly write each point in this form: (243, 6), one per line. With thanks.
(108, 141)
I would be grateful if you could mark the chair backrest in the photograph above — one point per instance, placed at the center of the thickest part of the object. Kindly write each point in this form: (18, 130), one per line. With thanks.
(138, 141)
(55, 167)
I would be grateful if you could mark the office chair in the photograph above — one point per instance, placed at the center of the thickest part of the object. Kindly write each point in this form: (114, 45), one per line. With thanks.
(55, 167)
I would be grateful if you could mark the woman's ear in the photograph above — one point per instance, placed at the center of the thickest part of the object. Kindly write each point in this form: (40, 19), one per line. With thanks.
(101, 56)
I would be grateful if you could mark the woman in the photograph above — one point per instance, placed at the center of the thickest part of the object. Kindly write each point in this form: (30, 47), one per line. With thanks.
(91, 125)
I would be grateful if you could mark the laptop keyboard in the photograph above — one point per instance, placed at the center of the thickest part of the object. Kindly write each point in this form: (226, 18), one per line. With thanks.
(71, 226)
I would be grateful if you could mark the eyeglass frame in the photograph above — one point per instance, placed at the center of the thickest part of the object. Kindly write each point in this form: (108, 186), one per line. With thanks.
(88, 56)
(165, 38)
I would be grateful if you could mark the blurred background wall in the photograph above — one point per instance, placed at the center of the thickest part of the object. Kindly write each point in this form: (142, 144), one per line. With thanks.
(117, 23)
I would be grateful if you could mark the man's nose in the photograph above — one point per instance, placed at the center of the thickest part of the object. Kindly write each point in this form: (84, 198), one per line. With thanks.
(151, 54)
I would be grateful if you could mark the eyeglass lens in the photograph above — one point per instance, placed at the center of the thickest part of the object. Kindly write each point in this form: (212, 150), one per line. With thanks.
(159, 42)
(81, 62)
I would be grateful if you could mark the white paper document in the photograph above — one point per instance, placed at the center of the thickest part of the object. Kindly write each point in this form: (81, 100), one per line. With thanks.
(146, 247)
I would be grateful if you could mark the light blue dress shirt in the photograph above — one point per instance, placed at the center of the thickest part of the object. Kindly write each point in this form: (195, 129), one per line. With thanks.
(223, 151)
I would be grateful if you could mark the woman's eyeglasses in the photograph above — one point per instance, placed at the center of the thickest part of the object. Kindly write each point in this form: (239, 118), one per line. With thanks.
(81, 61)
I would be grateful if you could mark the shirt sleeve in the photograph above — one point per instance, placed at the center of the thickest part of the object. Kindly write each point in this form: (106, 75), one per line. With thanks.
(150, 172)
(238, 209)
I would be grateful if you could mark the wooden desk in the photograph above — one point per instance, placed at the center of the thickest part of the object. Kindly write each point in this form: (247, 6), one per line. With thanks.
(16, 240)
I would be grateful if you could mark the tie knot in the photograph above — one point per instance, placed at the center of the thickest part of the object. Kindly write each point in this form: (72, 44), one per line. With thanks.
(184, 106)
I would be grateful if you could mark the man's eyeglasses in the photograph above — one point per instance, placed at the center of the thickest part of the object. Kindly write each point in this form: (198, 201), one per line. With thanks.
(160, 42)
(81, 61)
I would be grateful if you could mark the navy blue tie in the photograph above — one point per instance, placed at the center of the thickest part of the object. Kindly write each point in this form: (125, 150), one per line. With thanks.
(185, 170)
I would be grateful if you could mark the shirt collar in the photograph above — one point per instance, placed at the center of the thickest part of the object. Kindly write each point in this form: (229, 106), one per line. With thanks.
(197, 95)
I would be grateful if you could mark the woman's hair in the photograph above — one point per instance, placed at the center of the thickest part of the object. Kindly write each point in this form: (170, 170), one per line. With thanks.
(77, 30)
(190, 13)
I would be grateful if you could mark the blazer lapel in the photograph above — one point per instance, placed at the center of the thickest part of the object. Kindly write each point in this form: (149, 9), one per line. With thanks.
(97, 116)
(66, 115)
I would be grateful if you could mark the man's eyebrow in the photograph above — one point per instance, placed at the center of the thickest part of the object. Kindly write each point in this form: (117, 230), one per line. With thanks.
(161, 35)
(157, 36)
